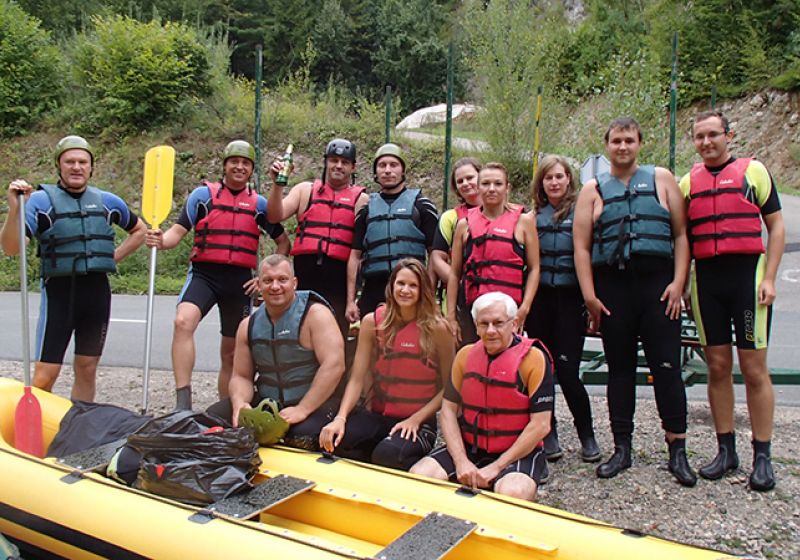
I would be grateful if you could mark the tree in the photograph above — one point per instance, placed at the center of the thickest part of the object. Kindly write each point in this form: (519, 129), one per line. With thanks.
(30, 78)
(138, 75)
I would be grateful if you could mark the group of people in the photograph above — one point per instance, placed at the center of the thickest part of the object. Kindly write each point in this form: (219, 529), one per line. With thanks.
(521, 289)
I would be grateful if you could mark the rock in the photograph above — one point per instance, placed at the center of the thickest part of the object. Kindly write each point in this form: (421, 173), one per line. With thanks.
(793, 119)
(757, 101)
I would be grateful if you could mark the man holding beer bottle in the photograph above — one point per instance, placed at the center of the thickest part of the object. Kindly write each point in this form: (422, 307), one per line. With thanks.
(325, 210)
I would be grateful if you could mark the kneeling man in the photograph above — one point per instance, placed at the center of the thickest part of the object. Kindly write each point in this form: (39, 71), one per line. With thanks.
(291, 350)
(497, 407)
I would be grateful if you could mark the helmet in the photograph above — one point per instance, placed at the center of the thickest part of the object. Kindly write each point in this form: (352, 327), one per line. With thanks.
(388, 150)
(239, 148)
(72, 143)
(342, 148)
(268, 426)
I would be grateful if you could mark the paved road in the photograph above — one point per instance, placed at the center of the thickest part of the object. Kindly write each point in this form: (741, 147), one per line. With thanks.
(125, 344)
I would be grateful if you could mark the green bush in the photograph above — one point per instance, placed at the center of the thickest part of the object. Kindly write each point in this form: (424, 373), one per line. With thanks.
(137, 76)
(29, 70)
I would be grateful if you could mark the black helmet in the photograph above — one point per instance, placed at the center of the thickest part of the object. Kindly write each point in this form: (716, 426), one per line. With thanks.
(342, 148)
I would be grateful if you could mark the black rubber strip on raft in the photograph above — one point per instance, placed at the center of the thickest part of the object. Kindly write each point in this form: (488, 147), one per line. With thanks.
(262, 497)
(430, 539)
(93, 458)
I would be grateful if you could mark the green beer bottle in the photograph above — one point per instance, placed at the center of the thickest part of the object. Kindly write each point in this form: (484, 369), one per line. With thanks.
(283, 177)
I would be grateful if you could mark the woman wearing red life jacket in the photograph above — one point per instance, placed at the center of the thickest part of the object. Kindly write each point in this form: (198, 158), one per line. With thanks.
(404, 353)
(495, 248)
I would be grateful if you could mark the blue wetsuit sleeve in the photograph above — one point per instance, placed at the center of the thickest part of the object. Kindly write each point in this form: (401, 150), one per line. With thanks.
(195, 209)
(37, 213)
(118, 211)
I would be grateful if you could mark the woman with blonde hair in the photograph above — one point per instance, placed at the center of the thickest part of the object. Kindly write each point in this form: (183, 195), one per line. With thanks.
(557, 316)
(404, 354)
(495, 248)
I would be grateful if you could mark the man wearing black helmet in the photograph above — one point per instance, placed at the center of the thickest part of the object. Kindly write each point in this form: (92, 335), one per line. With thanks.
(72, 221)
(227, 219)
(325, 210)
(397, 222)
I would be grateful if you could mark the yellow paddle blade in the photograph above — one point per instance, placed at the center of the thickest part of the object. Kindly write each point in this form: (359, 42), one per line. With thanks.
(159, 166)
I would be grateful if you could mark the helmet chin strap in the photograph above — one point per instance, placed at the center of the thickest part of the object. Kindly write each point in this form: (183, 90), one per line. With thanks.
(389, 187)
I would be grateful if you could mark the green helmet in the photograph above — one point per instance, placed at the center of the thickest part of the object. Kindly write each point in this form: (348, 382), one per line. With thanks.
(265, 421)
(388, 150)
(72, 143)
(239, 148)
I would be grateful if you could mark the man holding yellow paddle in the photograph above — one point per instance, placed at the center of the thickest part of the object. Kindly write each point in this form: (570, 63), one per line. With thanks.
(72, 221)
(227, 219)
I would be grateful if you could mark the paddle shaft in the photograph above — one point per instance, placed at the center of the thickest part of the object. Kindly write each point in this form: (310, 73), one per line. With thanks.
(148, 338)
(23, 288)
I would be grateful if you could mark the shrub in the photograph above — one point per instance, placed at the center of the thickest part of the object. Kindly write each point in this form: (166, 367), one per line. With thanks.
(136, 75)
(29, 70)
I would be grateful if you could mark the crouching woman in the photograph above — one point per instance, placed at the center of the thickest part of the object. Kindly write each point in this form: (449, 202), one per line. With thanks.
(404, 353)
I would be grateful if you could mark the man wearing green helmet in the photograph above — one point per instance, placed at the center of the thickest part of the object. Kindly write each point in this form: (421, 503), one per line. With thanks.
(72, 222)
(396, 223)
(227, 218)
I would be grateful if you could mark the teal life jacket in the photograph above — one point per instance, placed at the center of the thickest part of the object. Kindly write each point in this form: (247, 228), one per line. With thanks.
(632, 221)
(284, 368)
(556, 262)
(391, 233)
(80, 240)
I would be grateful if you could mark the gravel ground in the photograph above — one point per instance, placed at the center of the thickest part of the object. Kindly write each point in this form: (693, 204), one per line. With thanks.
(724, 515)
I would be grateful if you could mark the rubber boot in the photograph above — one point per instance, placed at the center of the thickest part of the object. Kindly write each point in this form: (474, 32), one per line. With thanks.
(183, 398)
(762, 478)
(552, 451)
(620, 460)
(726, 460)
(678, 463)
(590, 451)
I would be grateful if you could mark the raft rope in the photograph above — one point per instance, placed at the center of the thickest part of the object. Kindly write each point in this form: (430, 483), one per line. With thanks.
(257, 526)
(496, 497)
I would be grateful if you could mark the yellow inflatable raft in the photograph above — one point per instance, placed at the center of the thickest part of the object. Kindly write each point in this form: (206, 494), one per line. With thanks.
(337, 509)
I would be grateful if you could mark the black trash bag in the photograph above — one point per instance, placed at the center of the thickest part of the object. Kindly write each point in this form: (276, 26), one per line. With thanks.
(194, 457)
(88, 425)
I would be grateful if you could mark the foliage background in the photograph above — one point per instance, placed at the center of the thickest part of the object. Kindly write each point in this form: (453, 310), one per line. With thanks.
(134, 73)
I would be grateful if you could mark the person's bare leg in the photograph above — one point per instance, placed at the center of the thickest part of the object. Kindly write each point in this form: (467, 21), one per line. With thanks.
(760, 395)
(720, 386)
(226, 347)
(187, 317)
(45, 375)
(85, 377)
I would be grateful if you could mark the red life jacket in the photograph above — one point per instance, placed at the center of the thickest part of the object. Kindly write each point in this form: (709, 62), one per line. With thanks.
(462, 210)
(326, 227)
(490, 261)
(405, 379)
(228, 234)
(722, 220)
(495, 404)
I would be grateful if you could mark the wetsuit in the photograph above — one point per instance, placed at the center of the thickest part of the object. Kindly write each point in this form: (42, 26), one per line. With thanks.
(725, 285)
(80, 303)
(557, 314)
(424, 217)
(210, 283)
(632, 267)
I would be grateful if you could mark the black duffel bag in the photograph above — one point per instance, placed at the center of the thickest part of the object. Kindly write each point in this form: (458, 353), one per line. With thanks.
(194, 457)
